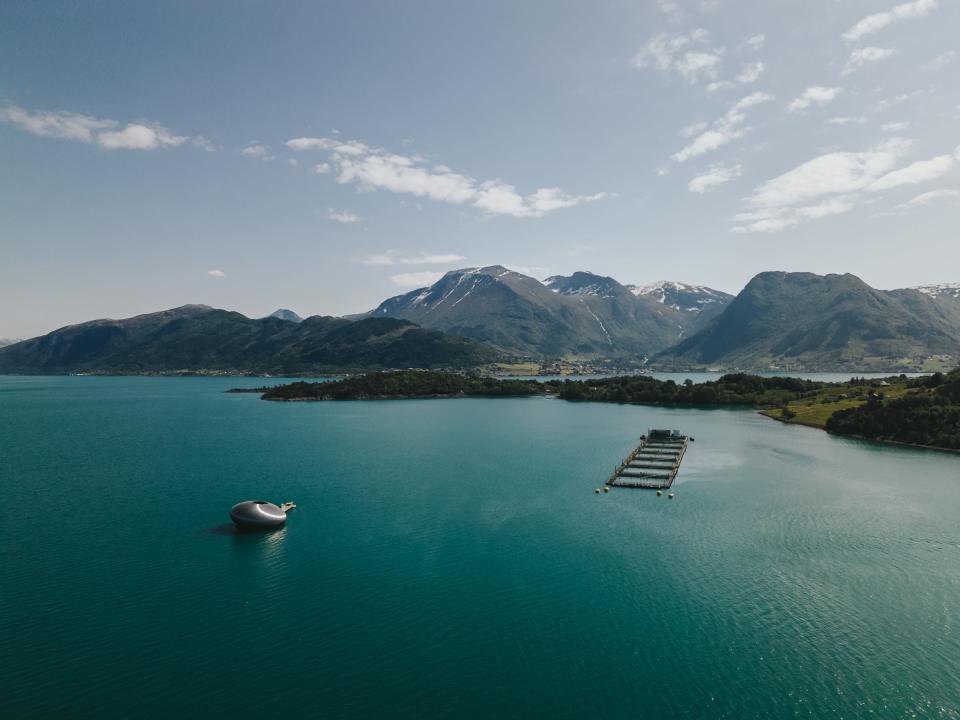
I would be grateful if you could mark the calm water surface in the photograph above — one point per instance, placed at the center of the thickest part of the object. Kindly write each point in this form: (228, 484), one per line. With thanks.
(449, 558)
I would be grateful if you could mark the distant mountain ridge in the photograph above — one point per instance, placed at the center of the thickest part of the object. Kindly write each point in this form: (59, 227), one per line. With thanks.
(786, 320)
(198, 337)
(703, 302)
(581, 315)
(473, 316)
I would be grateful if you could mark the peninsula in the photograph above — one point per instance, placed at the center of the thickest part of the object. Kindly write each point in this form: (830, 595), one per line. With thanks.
(922, 411)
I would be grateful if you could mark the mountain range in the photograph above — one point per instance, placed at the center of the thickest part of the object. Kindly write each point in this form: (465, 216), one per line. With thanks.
(474, 316)
(806, 321)
(582, 316)
(198, 337)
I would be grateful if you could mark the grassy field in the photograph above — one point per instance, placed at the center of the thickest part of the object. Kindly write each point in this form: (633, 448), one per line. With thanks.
(519, 368)
(817, 407)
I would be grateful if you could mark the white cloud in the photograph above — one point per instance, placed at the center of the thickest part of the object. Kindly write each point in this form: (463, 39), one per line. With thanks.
(780, 218)
(923, 200)
(201, 142)
(322, 168)
(378, 169)
(720, 85)
(859, 120)
(756, 98)
(833, 173)
(391, 257)
(73, 126)
(726, 129)
(715, 176)
(941, 61)
(918, 172)
(751, 72)
(307, 143)
(932, 196)
(415, 279)
(754, 42)
(694, 64)
(694, 129)
(894, 126)
(57, 124)
(671, 9)
(878, 21)
(139, 137)
(256, 150)
(707, 142)
(813, 95)
(342, 216)
(862, 57)
(216, 273)
(684, 53)
(850, 178)
(896, 100)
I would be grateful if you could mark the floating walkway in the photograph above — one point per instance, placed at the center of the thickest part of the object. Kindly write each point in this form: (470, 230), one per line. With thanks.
(655, 462)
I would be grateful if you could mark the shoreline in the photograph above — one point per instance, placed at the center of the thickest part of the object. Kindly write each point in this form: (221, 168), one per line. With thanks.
(879, 441)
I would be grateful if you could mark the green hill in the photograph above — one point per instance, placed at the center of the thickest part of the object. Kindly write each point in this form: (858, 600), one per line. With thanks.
(197, 337)
(802, 321)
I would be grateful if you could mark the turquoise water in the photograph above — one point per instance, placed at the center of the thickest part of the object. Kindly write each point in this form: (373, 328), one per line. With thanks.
(449, 558)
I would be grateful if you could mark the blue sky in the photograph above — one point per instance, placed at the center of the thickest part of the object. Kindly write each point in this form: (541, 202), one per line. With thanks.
(324, 156)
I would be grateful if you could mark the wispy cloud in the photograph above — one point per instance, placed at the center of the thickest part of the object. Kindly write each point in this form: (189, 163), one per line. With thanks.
(258, 151)
(686, 54)
(725, 129)
(837, 182)
(693, 129)
(372, 168)
(933, 196)
(392, 257)
(813, 95)
(845, 120)
(917, 172)
(876, 22)
(754, 42)
(940, 61)
(216, 273)
(893, 127)
(109, 134)
(715, 176)
(751, 72)
(341, 216)
(415, 279)
(671, 9)
(139, 137)
(861, 57)
(832, 173)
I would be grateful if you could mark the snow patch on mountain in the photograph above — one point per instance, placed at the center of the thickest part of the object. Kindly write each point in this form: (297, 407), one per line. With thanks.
(940, 290)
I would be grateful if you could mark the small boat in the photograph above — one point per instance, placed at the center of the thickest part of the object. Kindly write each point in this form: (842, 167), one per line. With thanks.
(659, 493)
(670, 495)
(259, 514)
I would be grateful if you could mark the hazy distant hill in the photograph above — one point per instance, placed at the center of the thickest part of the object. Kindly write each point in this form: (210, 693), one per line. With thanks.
(284, 314)
(197, 337)
(802, 320)
(580, 315)
(7, 341)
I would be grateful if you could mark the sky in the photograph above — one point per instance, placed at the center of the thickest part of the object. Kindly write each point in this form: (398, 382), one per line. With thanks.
(322, 156)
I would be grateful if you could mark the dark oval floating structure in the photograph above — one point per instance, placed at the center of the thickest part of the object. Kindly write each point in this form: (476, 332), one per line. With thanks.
(259, 514)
